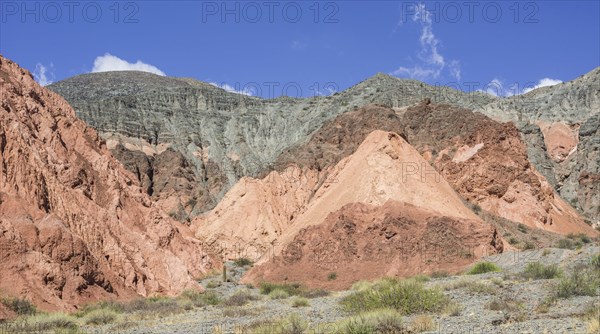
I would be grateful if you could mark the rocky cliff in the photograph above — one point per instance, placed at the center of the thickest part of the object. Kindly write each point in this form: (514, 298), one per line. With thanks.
(75, 226)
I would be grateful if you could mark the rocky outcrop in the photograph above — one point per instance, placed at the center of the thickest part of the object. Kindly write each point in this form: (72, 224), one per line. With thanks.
(487, 163)
(74, 225)
(567, 156)
(266, 214)
(362, 241)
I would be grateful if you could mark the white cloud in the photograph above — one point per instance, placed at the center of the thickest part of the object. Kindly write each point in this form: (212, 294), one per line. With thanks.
(326, 91)
(545, 82)
(497, 87)
(494, 88)
(109, 62)
(432, 62)
(244, 91)
(297, 45)
(43, 75)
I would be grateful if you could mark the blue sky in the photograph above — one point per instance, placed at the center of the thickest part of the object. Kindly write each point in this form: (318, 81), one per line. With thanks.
(301, 48)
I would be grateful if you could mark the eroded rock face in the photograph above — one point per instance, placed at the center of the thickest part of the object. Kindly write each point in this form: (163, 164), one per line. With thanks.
(220, 136)
(565, 106)
(74, 225)
(362, 241)
(484, 160)
(487, 163)
(267, 214)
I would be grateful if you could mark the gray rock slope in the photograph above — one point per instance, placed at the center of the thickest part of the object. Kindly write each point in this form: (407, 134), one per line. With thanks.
(189, 142)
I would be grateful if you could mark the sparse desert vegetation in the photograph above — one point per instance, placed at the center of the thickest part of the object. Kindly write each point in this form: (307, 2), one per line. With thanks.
(583, 281)
(20, 306)
(407, 296)
(389, 305)
(482, 268)
(536, 270)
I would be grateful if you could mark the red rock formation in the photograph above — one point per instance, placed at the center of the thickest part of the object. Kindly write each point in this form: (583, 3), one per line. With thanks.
(384, 181)
(561, 139)
(362, 241)
(74, 226)
(486, 163)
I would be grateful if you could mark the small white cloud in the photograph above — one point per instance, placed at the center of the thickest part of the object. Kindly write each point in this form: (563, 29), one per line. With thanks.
(248, 91)
(494, 88)
(432, 62)
(545, 82)
(454, 68)
(416, 72)
(109, 62)
(497, 87)
(297, 45)
(43, 75)
(327, 91)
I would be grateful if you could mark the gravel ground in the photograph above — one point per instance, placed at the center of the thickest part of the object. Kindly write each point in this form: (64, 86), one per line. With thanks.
(562, 317)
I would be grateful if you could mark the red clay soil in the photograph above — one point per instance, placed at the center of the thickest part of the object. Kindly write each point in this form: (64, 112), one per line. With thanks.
(362, 241)
(74, 225)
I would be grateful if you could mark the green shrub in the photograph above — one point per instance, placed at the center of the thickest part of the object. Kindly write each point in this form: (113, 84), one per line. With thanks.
(155, 305)
(103, 305)
(583, 282)
(199, 299)
(50, 322)
(421, 278)
(186, 304)
(422, 323)
(386, 321)
(292, 289)
(242, 262)
(278, 294)
(546, 252)
(313, 293)
(522, 228)
(536, 270)
(528, 245)
(482, 268)
(240, 298)
(439, 274)
(213, 284)
(583, 238)
(405, 296)
(453, 309)
(504, 304)
(574, 241)
(332, 276)
(300, 302)
(101, 317)
(513, 310)
(19, 306)
(293, 324)
(472, 286)
(565, 244)
(595, 262)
